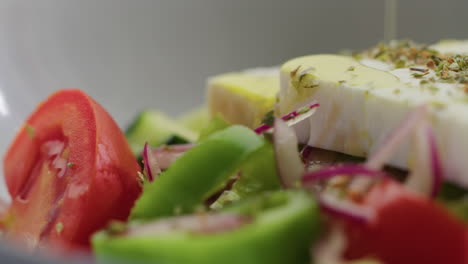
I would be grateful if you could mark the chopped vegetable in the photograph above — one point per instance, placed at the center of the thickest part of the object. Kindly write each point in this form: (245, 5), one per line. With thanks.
(195, 176)
(292, 118)
(257, 174)
(216, 124)
(155, 128)
(426, 175)
(407, 228)
(151, 165)
(288, 162)
(75, 175)
(195, 120)
(271, 228)
(164, 155)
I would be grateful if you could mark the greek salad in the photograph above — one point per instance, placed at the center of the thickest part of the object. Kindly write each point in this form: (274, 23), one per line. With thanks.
(220, 186)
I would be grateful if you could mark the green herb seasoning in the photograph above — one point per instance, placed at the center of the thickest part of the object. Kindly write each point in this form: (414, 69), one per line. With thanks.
(30, 131)
(59, 227)
(269, 118)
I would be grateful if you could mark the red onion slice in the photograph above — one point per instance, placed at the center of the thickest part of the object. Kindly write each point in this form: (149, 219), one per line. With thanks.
(426, 172)
(390, 145)
(151, 167)
(292, 118)
(301, 114)
(262, 128)
(344, 208)
(437, 170)
(161, 158)
(166, 155)
(306, 152)
(288, 162)
(202, 223)
(397, 136)
(335, 171)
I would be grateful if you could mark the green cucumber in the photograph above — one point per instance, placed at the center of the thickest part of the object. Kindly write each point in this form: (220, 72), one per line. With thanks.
(196, 119)
(155, 128)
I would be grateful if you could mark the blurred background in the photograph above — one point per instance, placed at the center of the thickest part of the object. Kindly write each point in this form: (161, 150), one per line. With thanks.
(136, 54)
(158, 53)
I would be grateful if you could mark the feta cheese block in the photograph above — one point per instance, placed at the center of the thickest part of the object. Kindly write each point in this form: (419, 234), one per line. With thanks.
(451, 47)
(363, 98)
(243, 97)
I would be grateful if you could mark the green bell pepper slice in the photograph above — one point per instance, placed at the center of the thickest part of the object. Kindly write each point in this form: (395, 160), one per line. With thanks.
(256, 175)
(283, 225)
(200, 172)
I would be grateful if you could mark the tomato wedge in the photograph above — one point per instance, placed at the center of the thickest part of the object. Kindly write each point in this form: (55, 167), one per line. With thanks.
(408, 228)
(69, 171)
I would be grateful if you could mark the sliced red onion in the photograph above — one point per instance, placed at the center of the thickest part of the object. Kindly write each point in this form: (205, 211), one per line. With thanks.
(288, 162)
(161, 158)
(262, 128)
(426, 172)
(390, 145)
(394, 140)
(335, 171)
(437, 169)
(166, 155)
(151, 167)
(292, 118)
(298, 115)
(306, 152)
(344, 208)
(202, 223)
(337, 207)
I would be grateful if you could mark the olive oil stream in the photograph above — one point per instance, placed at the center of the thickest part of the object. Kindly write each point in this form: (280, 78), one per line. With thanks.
(390, 20)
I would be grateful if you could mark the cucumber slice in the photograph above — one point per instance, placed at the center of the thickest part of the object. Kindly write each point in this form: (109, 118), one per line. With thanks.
(196, 120)
(175, 140)
(155, 128)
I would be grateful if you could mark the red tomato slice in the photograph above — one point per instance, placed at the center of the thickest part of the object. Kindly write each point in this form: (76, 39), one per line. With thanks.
(408, 228)
(69, 171)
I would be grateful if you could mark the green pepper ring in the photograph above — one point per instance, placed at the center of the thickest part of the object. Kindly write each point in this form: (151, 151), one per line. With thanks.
(284, 225)
(180, 189)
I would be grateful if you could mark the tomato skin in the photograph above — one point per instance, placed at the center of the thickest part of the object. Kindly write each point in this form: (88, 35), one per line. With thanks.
(99, 184)
(408, 228)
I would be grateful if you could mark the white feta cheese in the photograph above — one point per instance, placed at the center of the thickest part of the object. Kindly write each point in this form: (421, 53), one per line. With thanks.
(362, 101)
